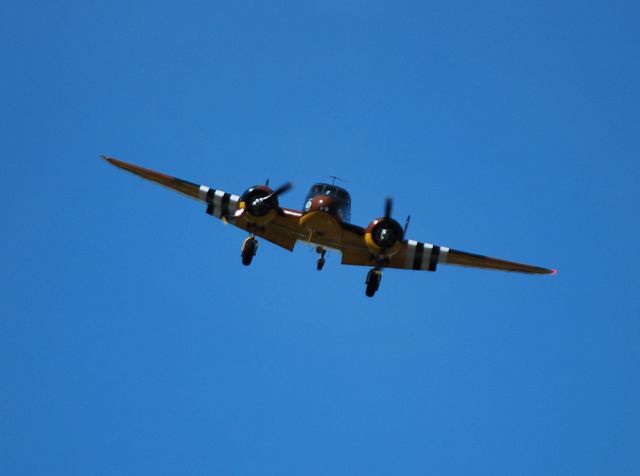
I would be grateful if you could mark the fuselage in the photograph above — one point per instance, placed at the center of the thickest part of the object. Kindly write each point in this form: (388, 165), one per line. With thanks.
(326, 211)
(329, 198)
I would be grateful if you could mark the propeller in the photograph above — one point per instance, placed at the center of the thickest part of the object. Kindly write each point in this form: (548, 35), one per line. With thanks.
(277, 192)
(281, 189)
(388, 206)
(387, 232)
(260, 202)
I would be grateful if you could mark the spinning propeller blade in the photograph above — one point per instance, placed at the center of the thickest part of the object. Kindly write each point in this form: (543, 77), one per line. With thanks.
(388, 205)
(268, 200)
(282, 189)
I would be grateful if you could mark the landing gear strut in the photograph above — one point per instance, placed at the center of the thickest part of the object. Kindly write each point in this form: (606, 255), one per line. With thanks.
(249, 250)
(373, 281)
(321, 260)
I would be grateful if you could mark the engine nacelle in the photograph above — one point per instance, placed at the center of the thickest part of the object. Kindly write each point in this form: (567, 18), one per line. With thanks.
(259, 204)
(383, 236)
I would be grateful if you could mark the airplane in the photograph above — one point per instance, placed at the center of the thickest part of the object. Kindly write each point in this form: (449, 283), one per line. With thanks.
(325, 223)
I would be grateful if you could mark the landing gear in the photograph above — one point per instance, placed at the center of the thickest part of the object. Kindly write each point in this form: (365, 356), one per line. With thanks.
(321, 260)
(249, 250)
(373, 281)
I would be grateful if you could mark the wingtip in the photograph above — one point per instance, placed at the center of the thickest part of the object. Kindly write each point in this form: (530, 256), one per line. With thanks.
(553, 272)
(111, 160)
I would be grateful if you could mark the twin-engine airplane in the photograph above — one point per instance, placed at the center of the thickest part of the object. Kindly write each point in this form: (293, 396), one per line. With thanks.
(324, 222)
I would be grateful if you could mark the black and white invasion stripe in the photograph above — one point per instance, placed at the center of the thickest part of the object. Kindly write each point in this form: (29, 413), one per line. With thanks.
(219, 203)
(424, 256)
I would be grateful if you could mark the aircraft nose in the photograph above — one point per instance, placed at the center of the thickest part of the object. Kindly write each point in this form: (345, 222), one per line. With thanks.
(322, 203)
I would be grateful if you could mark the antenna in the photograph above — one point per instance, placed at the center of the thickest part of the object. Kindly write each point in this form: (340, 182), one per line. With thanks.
(334, 178)
(406, 224)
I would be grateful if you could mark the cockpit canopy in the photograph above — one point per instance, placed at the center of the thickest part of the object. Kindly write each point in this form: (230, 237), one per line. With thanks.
(340, 197)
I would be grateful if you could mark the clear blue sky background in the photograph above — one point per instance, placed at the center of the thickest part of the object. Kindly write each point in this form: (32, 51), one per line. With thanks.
(132, 340)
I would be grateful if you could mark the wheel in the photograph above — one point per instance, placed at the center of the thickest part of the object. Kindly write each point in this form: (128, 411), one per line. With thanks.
(249, 249)
(373, 282)
(320, 264)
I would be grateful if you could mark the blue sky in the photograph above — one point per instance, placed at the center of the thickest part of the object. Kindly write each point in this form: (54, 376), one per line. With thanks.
(132, 340)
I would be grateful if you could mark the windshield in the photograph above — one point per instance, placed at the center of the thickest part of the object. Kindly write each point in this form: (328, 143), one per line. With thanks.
(340, 196)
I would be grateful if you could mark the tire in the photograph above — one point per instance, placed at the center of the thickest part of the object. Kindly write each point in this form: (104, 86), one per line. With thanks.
(373, 282)
(249, 249)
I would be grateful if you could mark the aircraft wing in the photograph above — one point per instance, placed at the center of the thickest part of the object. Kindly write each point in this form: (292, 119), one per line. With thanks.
(199, 192)
(283, 230)
(427, 257)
